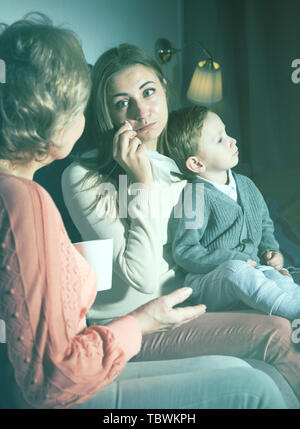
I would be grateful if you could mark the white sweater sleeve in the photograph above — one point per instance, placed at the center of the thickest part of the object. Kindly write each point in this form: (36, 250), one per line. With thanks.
(137, 239)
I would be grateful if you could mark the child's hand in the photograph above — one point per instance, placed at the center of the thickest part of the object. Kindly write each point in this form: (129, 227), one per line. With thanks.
(251, 262)
(285, 272)
(275, 259)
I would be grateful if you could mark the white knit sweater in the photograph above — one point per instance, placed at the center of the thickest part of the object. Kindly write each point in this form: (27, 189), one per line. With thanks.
(143, 267)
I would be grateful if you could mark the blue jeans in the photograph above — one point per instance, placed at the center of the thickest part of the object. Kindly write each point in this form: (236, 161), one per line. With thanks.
(206, 382)
(235, 282)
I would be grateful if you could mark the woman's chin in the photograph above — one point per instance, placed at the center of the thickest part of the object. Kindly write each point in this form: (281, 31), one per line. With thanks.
(149, 135)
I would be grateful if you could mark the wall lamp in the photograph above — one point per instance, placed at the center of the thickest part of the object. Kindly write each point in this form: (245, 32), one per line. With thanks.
(206, 84)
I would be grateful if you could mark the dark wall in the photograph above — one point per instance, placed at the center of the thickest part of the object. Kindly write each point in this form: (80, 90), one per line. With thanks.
(255, 42)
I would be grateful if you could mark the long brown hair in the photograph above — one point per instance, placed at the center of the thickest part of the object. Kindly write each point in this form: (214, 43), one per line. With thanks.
(99, 129)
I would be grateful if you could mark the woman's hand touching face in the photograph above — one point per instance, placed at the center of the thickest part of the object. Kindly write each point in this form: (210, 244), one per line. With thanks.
(131, 154)
(136, 95)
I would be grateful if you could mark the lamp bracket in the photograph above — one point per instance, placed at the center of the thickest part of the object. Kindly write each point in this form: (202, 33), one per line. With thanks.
(164, 50)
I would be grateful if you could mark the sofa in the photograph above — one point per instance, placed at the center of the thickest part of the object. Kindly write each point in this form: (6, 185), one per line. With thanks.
(283, 191)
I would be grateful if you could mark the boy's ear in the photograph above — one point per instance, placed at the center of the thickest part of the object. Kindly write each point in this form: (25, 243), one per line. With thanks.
(193, 164)
(165, 83)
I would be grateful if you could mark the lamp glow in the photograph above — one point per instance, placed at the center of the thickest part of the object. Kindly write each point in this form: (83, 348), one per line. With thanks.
(206, 83)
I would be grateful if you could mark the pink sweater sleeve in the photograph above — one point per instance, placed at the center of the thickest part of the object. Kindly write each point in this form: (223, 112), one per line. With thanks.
(46, 290)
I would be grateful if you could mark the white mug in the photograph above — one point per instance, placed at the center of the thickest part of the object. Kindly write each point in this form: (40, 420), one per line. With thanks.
(99, 254)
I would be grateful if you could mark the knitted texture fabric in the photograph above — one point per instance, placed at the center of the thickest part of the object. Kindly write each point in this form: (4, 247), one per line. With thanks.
(222, 229)
(46, 289)
(143, 266)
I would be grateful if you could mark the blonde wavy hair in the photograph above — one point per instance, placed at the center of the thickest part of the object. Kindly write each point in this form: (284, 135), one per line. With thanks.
(47, 86)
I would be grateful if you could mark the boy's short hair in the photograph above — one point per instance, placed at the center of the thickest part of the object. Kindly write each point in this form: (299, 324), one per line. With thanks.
(179, 141)
(47, 86)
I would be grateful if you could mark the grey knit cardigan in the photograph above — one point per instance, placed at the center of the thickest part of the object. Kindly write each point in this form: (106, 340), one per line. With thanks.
(224, 230)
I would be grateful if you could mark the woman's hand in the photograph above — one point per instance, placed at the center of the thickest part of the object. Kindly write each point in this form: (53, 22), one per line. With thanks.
(159, 314)
(286, 272)
(131, 154)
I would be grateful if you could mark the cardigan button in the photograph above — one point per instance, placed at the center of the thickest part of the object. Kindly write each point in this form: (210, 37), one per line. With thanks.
(246, 241)
(3, 245)
(27, 360)
(8, 268)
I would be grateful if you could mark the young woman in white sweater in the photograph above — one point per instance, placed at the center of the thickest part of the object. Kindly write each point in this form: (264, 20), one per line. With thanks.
(126, 116)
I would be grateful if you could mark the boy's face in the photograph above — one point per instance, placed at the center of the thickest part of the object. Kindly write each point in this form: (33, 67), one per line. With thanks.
(216, 150)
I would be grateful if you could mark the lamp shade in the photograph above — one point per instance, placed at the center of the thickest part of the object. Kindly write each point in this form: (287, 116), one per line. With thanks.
(206, 84)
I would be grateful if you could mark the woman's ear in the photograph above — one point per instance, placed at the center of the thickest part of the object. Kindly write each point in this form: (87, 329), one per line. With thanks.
(164, 84)
(193, 164)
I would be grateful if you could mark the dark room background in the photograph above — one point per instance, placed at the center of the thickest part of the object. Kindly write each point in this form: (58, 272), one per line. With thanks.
(255, 41)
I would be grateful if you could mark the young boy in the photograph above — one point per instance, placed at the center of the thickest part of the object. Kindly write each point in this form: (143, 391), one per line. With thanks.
(231, 257)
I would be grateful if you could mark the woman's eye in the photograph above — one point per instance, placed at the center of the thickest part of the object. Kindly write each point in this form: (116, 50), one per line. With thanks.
(149, 91)
(220, 140)
(121, 104)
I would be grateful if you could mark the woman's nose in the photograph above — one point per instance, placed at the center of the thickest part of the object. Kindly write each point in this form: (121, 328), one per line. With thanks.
(138, 111)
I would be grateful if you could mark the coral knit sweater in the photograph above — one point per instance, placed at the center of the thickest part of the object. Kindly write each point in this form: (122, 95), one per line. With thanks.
(46, 289)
